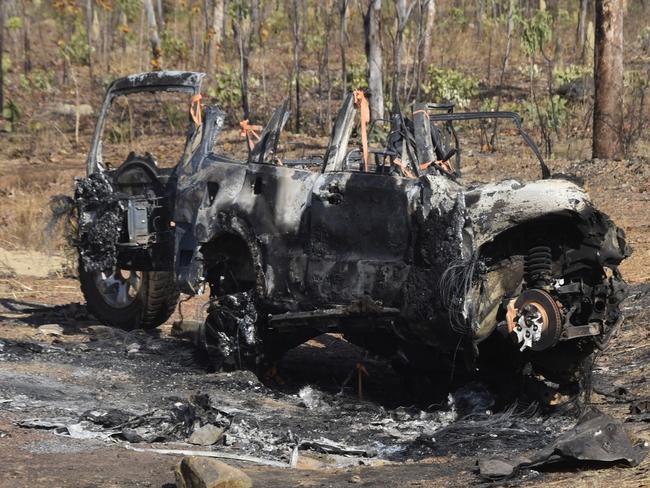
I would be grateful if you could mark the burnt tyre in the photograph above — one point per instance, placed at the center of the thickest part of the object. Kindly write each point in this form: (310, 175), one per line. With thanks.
(129, 299)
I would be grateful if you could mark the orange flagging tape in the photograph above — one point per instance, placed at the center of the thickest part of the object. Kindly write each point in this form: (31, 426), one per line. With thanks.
(403, 166)
(361, 102)
(195, 109)
(441, 164)
(248, 130)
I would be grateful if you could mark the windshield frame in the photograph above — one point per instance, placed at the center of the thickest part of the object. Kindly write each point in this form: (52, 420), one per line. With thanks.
(158, 81)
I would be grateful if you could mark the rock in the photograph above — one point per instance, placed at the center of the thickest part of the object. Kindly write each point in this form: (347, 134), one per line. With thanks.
(51, 329)
(206, 435)
(132, 348)
(187, 329)
(201, 472)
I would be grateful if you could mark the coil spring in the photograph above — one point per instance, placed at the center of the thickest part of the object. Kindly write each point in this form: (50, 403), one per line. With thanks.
(537, 267)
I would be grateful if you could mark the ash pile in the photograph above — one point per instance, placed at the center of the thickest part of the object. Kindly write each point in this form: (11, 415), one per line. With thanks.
(146, 390)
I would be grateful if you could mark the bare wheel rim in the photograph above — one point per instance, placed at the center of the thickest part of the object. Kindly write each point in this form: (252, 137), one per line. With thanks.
(118, 289)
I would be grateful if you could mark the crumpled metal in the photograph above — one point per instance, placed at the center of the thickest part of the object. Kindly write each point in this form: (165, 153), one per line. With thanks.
(597, 437)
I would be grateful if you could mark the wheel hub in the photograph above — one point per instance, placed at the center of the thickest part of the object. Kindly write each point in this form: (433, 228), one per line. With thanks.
(119, 288)
(535, 320)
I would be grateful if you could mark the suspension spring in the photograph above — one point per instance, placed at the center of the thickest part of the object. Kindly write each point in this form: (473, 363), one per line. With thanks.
(537, 267)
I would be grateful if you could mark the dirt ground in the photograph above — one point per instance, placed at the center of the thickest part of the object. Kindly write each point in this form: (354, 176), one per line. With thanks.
(61, 375)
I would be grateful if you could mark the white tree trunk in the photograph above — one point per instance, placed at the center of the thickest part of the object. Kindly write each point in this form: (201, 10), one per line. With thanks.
(154, 36)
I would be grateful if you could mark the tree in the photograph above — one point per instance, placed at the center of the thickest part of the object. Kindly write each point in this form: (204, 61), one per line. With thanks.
(581, 32)
(608, 79)
(213, 11)
(296, 27)
(403, 9)
(243, 32)
(504, 67)
(154, 36)
(2, 47)
(428, 32)
(343, 42)
(372, 29)
(89, 37)
(426, 17)
(27, 60)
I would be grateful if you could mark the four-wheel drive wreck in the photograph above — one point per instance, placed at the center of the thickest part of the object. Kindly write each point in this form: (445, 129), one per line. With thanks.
(384, 245)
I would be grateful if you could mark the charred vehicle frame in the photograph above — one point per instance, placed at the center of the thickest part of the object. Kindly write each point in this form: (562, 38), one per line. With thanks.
(384, 245)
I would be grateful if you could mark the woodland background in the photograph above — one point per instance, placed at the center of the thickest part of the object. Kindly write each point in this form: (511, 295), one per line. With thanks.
(535, 57)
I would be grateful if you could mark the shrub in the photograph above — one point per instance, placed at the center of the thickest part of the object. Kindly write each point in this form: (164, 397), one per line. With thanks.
(449, 85)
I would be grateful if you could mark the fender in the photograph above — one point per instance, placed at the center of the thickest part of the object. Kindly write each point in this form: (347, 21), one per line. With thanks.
(496, 207)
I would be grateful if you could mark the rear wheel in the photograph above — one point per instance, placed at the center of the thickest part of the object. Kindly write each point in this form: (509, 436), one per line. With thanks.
(130, 299)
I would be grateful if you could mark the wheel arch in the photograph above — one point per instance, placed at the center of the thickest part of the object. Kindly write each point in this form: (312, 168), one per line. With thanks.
(232, 250)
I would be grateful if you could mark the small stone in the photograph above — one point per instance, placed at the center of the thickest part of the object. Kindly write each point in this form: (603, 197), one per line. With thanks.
(133, 348)
(51, 329)
(200, 472)
(206, 435)
(187, 329)
(355, 479)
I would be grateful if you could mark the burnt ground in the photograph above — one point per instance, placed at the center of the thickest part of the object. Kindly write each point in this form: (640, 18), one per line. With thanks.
(90, 388)
(69, 403)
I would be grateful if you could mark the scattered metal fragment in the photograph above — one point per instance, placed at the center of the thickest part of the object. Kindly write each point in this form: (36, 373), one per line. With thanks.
(213, 454)
(327, 446)
(311, 398)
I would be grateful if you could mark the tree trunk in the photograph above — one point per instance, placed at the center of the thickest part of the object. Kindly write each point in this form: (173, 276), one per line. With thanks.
(89, 37)
(403, 10)
(219, 19)
(27, 50)
(581, 32)
(504, 67)
(372, 30)
(2, 47)
(296, 28)
(608, 79)
(428, 31)
(214, 12)
(160, 16)
(242, 28)
(343, 43)
(256, 21)
(154, 37)
(426, 21)
(480, 13)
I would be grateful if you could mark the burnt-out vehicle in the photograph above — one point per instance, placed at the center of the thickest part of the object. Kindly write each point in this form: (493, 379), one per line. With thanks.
(384, 245)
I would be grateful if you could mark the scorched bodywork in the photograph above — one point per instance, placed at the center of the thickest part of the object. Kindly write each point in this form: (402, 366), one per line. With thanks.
(385, 245)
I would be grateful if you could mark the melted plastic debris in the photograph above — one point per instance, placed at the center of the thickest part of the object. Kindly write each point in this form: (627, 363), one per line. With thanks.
(229, 335)
(100, 219)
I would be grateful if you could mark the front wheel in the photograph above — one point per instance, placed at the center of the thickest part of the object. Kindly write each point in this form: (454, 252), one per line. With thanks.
(129, 299)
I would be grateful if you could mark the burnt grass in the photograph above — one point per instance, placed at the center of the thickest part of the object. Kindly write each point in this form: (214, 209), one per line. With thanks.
(96, 389)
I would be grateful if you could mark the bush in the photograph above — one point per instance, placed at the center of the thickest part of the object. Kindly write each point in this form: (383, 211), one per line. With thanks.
(449, 85)
(552, 115)
(571, 73)
(357, 79)
(226, 89)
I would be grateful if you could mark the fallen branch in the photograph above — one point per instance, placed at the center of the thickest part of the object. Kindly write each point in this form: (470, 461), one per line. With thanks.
(213, 454)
